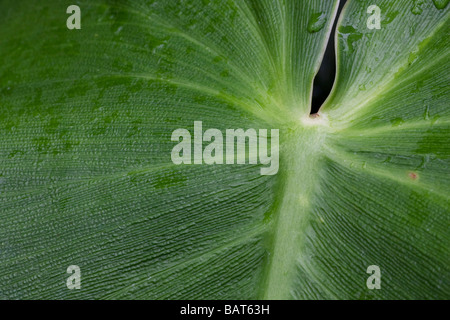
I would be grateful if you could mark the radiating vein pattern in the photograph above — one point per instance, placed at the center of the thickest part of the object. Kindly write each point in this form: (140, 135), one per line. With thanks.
(87, 179)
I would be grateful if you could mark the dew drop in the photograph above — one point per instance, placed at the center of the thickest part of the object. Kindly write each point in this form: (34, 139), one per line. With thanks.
(426, 114)
(119, 29)
(397, 122)
(349, 36)
(388, 159)
(412, 57)
(416, 10)
(390, 17)
(435, 119)
(316, 22)
(440, 4)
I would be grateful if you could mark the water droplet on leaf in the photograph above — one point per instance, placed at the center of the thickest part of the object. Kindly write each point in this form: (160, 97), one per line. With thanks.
(316, 22)
(440, 4)
(417, 9)
(397, 121)
(426, 114)
(412, 57)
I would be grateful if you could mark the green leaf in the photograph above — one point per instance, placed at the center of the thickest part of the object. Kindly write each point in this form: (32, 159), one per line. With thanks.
(86, 176)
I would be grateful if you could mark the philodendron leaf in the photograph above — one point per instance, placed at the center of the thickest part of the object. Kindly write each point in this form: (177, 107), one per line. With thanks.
(87, 170)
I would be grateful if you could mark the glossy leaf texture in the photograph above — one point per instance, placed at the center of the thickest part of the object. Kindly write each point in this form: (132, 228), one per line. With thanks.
(86, 176)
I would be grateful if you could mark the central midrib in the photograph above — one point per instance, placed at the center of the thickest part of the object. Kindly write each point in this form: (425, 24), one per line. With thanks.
(299, 154)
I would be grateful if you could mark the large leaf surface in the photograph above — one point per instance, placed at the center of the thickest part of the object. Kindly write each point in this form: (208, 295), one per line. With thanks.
(86, 176)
